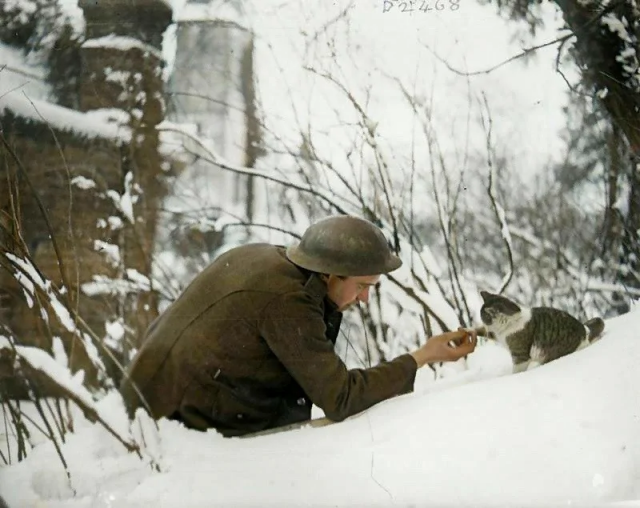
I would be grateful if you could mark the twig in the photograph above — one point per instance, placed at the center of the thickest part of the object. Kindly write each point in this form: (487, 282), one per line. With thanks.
(35, 425)
(90, 413)
(41, 207)
(380, 160)
(499, 212)
(69, 222)
(80, 320)
(6, 435)
(53, 439)
(410, 292)
(455, 280)
(20, 428)
(216, 160)
(522, 54)
(6, 67)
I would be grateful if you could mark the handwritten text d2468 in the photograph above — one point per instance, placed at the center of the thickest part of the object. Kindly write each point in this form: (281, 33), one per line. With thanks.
(424, 6)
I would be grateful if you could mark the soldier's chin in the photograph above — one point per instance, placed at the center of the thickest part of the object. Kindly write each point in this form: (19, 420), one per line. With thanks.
(348, 306)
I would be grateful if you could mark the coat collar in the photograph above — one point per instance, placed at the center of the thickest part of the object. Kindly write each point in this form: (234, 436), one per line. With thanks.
(315, 286)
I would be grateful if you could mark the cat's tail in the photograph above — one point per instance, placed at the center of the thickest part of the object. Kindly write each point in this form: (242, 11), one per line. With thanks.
(596, 327)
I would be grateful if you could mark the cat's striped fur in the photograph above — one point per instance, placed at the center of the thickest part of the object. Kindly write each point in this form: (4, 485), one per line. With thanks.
(538, 335)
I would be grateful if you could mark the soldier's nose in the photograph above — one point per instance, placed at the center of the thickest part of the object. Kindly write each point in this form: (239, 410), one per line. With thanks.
(364, 296)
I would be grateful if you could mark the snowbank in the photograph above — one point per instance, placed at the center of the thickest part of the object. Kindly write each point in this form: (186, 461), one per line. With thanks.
(566, 433)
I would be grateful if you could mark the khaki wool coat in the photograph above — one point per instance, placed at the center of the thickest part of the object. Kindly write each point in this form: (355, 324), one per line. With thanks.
(249, 346)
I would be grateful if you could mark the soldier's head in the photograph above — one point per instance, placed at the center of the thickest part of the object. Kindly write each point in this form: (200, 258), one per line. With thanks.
(351, 253)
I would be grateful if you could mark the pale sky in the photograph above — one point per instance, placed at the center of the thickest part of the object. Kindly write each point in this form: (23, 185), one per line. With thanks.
(526, 100)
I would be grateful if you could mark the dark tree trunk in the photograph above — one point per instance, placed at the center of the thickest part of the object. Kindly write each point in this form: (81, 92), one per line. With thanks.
(606, 49)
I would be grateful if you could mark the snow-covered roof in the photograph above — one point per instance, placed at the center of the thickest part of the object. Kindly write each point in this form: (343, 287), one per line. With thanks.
(122, 43)
(24, 92)
(19, 76)
(101, 124)
(213, 11)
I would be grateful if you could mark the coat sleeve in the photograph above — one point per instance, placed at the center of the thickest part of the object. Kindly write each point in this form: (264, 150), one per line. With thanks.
(294, 329)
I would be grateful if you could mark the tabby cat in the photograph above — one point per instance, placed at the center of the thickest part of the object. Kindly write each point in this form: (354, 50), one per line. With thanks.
(535, 336)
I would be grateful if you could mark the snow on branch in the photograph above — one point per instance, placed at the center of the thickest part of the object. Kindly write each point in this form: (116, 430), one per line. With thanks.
(539, 247)
(83, 183)
(30, 279)
(32, 358)
(124, 202)
(134, 283)
(626, 57)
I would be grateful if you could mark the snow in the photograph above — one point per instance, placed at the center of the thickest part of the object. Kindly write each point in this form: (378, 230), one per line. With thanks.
(59, 353)
(567, 433)
(472, 433)
(121, 43)
(134, 282)
(135, 276)
(83, 182)
(25, 93)
(16, 76)
(115, 332)
(73, 13)
(115, 329)
(124, 202)
(39, 359)
(28, 277)
(216, 10)
(27, 287)
(26, 6)
(92, 124)
(616, 26)
(114, 223)
(111, 251)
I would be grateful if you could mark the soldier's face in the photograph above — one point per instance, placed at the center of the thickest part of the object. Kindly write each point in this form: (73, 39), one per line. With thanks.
(346, 292)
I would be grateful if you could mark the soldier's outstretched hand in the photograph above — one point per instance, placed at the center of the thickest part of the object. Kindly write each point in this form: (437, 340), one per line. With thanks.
(447, 347)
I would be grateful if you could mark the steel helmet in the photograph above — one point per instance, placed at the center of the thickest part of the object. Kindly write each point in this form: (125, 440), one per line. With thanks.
(344, 245)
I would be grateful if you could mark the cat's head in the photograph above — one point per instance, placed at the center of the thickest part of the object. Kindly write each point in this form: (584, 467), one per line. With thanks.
(497, 310)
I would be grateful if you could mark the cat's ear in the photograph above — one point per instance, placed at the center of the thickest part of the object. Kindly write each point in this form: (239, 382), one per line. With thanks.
(485, 295)
(509, 307)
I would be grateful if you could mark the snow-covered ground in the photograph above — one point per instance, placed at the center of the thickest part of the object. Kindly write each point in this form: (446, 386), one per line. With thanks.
(564, 434)
(567, 433)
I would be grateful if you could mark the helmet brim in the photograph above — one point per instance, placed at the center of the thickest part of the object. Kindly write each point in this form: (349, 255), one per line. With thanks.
(342, 267)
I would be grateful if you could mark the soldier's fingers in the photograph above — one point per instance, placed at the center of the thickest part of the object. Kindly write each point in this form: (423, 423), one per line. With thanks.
(473, 336)
(470, 345)
(470, 335)
(464, 336)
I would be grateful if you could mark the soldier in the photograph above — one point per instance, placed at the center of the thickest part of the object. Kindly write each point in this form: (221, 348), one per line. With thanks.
(249, 345)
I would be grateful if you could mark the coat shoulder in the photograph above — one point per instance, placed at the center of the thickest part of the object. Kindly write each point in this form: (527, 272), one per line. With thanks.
(258, 267)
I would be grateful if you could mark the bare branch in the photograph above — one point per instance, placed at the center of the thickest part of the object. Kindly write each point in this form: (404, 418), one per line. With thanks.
(522, 54)
(211, 157)
(498, 210)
